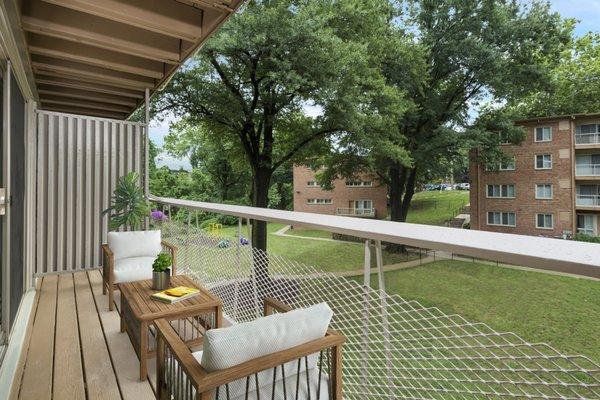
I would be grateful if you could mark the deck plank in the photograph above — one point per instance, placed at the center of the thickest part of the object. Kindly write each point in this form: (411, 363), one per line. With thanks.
(99, 374)
(126, 363)
(37, 375)
(68, 373)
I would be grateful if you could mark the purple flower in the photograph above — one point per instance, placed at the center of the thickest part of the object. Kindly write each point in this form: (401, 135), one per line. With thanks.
(158, 216)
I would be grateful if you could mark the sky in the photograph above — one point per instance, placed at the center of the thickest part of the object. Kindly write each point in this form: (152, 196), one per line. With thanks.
(587, 12)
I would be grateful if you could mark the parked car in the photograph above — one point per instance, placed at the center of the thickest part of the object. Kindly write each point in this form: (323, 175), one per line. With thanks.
(463, 186)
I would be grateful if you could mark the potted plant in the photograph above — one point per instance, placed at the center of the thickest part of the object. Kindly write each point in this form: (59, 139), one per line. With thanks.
(129, 206)
(161, 272)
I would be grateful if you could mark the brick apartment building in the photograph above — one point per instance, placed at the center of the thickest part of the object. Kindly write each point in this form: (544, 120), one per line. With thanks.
(552, 186)
(362, 197)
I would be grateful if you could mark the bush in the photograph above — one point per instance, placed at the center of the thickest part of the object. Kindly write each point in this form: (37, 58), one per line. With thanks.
(227, 220)
(582, 237)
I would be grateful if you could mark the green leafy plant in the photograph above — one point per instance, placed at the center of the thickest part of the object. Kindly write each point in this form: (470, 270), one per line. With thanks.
(162, 263)
(128, 207)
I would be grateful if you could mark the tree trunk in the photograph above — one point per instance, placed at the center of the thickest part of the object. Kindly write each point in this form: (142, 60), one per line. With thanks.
(401, 192)
(260, 198)
(397, 178)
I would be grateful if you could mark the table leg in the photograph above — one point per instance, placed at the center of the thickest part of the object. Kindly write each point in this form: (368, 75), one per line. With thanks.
(143, 350)
(122, 313)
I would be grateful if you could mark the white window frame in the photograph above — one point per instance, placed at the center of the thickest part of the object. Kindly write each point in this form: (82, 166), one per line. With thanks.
(319, 202)
(535, 132)
(551, 227)
(544, 184)
(488, 168)
(312, 184)
(543, 168)
(501, 215)
(500, 187)
(359, 183)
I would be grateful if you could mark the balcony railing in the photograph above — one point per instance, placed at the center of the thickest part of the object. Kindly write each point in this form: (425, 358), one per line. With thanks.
(588, 200)
(355, 212)
(587, 169)
(396, 348)
(587, 138)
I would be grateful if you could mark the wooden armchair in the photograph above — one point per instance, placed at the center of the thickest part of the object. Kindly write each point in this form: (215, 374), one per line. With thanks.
(284, 374)
(129, 256)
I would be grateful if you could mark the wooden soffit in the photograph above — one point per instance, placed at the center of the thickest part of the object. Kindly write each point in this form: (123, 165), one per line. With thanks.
(97, 57)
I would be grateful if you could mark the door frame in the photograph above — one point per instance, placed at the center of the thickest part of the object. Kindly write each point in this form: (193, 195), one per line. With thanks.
(5, 262)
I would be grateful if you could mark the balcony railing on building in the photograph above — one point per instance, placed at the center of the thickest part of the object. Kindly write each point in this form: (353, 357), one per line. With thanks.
(588, 200)
(587, 169)
(356, 212)
(587, 138)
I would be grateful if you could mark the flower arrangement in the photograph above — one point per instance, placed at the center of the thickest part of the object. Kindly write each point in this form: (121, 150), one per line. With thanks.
(158, 216)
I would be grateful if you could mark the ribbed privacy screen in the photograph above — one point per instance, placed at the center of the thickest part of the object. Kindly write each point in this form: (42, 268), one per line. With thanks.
(79, 160)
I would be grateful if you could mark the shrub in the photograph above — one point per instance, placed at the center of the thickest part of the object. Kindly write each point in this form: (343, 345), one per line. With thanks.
(582, 237)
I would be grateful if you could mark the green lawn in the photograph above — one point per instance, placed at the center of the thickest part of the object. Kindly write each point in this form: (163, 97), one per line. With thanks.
(348, 256)
(561, 311)
(435, 207)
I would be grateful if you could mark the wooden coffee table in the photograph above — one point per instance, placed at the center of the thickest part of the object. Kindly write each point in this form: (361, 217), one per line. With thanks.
(189, 317)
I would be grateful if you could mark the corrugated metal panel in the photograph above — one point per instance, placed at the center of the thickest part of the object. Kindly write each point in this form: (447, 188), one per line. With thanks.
(79, 160)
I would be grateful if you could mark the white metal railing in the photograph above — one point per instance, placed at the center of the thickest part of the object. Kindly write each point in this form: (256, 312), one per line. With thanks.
(587, 138)
(590, 200)
(360, 212)
(587, 169)
(535, 252)
(396, 348)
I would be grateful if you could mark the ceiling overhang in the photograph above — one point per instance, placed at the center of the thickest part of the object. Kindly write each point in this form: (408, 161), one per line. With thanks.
(97, 57)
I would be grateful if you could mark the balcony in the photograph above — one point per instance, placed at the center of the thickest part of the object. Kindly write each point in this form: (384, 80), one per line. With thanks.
(356, 212)
(75, 346)
(585, 171)
(588, 201)
(587, 140)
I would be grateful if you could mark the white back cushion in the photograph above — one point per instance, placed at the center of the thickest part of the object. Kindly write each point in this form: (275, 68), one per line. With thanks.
(226, 347)
(134, 244)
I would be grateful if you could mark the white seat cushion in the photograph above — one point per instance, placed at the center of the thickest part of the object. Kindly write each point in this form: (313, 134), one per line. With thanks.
(134, 244)
(226, 347)
(133, 269)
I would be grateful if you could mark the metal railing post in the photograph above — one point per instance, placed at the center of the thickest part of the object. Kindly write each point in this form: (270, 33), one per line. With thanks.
(236, 292)
(384, 313)
(366, 291)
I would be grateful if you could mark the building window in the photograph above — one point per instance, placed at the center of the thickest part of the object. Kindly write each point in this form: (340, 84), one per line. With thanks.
(501, 191)
(543, 134)
(502, 166)
(544, 221)
(501, 218)
(543, 161)
(503, 137)
(319, 201)
(312, 184)
(586, 224)
(543, 191)
(359, 183)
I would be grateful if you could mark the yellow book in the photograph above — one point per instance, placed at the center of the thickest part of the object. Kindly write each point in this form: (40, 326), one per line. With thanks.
(173, 295)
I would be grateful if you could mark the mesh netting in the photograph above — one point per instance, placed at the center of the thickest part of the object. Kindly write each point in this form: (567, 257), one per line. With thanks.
(395, 348)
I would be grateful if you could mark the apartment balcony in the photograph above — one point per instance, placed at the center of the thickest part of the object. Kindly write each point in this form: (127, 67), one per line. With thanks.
(356, 212)
(587, 171)
(587, 140)
(588, 202)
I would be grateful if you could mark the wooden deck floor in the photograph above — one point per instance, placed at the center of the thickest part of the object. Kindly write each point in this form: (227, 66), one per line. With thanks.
(75, 349)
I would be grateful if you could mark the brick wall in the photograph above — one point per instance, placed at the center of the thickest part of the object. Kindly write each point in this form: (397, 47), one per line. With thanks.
(525, 177)
(342, 196)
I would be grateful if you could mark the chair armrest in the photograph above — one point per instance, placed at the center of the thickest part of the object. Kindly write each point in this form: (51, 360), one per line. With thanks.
(206, 382)
(172, 250)
(271, 304)
(108, 262)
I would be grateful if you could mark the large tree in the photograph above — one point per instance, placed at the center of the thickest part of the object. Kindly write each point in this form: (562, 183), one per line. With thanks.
(451, 57)
(252, 82)
(575, 83)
